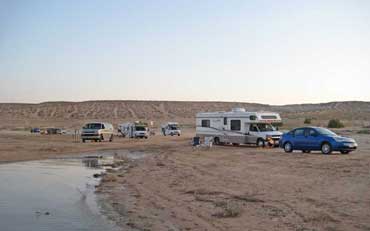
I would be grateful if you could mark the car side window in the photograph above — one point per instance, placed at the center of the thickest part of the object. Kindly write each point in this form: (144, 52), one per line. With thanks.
(299, 132)
(312, 133)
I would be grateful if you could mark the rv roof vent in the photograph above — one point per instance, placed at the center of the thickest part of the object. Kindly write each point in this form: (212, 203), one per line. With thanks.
(238, 110)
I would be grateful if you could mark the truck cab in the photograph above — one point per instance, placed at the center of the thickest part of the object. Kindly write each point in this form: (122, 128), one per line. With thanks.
(171, 129)
(140, 131)
(264, 133)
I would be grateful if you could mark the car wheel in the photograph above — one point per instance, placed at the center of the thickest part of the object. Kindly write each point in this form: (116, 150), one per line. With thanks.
(288, 147)
(83, 140)
(344, 152)
(216, 140)
(101, 138)
(111, 138)
(260, 143)
(326, 148)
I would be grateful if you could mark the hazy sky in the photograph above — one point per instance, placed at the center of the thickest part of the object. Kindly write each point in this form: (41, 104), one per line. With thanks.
(275, 52)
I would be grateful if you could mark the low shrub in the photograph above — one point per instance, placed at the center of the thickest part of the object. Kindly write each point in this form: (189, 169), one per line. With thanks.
(366, 132)
(335, 123)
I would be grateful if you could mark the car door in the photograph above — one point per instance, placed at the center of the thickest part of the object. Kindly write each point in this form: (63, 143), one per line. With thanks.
(299, 139)
(250, 137)
(312, 140)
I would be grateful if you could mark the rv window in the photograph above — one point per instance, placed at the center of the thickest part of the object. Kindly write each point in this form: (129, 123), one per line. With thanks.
(269, 117)
(225, 121)
(206, 123)
(235, 125)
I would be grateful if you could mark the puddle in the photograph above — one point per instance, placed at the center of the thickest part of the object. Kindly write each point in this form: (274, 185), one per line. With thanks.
(56, 194)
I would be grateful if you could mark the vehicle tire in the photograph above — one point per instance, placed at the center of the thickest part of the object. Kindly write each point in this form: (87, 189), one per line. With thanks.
(288, 147)
(260, 143)
(326, 148)
(216, 141)
(101, 138)
(178, 134)
(111, 138)
(306, 151)
(236, 144)
(344, 152)
(83, 141)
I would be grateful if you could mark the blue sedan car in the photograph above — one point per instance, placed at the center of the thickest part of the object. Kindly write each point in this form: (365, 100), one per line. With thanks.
(309, 139)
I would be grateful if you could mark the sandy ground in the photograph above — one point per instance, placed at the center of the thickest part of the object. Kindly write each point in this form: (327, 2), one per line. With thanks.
(242, 188)
(176, 187)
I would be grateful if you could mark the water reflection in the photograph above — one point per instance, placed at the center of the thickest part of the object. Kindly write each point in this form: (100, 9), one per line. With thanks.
(53, 195)
(91, 162)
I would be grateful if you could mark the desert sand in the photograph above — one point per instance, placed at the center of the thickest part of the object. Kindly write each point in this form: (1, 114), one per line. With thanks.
(176, 187)
(241, 188)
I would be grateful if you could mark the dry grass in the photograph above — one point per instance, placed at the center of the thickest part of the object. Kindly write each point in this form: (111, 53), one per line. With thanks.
(109, 178)
(228, 208)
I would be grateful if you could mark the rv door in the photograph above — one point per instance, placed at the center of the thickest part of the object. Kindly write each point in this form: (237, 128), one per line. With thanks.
(225, 123)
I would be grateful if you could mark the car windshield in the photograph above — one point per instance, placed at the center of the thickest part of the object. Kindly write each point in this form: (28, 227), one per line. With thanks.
(265, 127)
(93, 126)
(140, 128)
(173, 127)
(326, 132)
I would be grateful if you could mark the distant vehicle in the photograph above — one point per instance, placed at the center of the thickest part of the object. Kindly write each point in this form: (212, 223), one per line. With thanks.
(98, 131)
(171, 129)
(309, 139)
(35, 130)
(134, 130)
(51, 131)
(239, 127)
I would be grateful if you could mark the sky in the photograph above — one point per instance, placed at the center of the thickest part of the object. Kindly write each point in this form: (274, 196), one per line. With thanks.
(262, 51)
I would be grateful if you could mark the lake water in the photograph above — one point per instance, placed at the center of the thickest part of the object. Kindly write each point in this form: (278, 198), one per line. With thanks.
(55, 194)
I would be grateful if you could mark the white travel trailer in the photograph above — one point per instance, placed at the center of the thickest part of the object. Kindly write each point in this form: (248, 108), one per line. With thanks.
(134, 130)
(239, 127)
(171, 129)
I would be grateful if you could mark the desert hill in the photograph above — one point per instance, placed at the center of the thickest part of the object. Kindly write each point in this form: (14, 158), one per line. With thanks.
(72, 114)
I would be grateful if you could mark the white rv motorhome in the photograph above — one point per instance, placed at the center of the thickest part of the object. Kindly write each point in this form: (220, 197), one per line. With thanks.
(171, 129)
(239, 127)
(134, 130)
